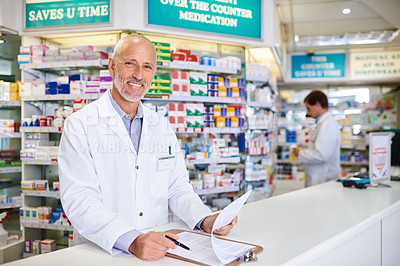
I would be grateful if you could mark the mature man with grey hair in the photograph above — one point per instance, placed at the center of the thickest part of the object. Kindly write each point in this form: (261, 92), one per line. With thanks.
(120, 164)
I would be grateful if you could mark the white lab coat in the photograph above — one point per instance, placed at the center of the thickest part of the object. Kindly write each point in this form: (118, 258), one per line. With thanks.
(107, 189)
(322, 157)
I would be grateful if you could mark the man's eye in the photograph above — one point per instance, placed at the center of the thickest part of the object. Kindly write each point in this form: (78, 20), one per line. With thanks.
(129, 63)
(149, 67)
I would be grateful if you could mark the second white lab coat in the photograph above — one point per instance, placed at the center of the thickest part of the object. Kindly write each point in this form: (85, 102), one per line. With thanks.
(107, 189)
(322, 157)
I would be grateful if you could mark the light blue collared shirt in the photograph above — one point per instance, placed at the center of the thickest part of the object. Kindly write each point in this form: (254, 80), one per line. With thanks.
(134, 129)
(319, 117)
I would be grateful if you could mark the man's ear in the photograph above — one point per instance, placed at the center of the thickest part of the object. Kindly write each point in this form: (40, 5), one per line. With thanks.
(111, 66)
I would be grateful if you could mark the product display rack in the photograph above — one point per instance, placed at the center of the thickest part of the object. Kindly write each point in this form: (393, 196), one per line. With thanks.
(33, 169)
(262, 186)
(10, 178)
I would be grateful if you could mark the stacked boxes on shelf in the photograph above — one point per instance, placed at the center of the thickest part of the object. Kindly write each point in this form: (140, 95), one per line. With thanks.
(216, 176)
(17, 200)
(213, 148)
(163, 53)
(106, 81)
(231, 116)
(195, 112)
(198, 84)
(193, 115)
(161, 85)
(9, 126)
(37, 146)
(262, 119)
(180, 83)
(43, 53)
(184, 55)
(36, 247)
(9, 91)
(43, 215)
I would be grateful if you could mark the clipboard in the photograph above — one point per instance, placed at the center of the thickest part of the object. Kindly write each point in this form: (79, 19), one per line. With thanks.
(257, 250)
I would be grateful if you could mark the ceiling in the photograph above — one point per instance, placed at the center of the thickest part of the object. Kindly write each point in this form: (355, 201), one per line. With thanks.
(306, 18)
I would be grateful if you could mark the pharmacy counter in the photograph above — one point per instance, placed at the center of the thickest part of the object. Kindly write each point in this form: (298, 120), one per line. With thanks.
(325, 224)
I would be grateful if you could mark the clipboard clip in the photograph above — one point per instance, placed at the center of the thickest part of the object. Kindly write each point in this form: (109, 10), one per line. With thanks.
(248, 257)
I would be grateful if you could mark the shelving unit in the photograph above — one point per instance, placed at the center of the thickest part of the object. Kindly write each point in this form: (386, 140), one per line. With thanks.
(203, 68)
(200, 99)
(15, 135)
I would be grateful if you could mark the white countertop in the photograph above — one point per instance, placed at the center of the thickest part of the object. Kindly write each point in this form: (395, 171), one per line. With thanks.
(293, 228)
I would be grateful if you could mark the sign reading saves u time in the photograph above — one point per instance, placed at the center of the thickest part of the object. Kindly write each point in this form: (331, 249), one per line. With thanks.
(66, 13)
(233, 17)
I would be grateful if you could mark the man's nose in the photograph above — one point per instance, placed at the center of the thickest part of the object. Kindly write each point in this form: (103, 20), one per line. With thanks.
(138, 73)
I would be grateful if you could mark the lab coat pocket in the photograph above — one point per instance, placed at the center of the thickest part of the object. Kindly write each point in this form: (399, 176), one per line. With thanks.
(165, 162)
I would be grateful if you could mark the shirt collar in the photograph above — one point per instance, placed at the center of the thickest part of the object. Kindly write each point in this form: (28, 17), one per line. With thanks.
(121, 113)
(319, 117)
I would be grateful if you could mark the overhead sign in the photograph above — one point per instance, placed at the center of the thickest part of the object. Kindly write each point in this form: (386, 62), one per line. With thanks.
(379, 65)
(318, 66)
(66, 13)
(234, 17)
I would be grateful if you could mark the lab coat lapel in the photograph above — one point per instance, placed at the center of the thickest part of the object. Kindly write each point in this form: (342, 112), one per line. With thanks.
(114, 121)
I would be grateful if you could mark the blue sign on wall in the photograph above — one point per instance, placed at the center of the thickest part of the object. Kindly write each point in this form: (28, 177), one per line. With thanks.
(67, 13)
(234, 17)
(318, 66)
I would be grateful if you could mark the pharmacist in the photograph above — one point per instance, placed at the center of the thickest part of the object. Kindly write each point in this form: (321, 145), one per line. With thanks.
(120, 164)
(322, 157)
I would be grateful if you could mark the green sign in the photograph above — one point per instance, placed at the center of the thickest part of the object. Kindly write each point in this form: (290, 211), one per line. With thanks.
(233, 17)
(67, 13)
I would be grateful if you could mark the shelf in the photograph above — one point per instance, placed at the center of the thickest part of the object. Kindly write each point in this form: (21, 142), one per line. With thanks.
(10, 205)
(354, 147)
(36, 193)
(257, 79)
(202, 99)
(288, 162)
(354, 163)
(47, 226)
(216, 160)
(212, 130)
(14, 135)
(10, 169)
(61, 64)
(11, 243)
(216, 190)
(41, 129)
(10, 103)
(39, 162)
(190, 66)
(267, 130)
(60, 97)
(260, 105)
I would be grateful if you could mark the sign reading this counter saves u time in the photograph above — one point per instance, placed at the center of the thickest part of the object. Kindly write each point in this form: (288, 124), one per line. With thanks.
(318, 66)
(66, 13)
(233, 17)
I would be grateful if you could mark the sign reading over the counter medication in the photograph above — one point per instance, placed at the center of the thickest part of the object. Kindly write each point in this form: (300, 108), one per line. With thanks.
(66, 13)
(234, 17)
(318, 66)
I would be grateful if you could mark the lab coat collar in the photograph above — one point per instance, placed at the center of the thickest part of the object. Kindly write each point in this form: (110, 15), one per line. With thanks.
(323, 117)
(113, 120)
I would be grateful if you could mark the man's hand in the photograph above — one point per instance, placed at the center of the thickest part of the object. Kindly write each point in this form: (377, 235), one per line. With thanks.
(297, 150)
(152, 245)
(208, 223)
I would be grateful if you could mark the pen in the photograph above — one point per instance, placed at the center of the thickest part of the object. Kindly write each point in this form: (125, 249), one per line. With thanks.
(177, 243)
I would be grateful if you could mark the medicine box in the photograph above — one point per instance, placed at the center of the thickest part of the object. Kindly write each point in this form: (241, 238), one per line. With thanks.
(48, 245)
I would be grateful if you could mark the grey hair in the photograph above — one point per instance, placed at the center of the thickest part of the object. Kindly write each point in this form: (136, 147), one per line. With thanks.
(118, 46)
